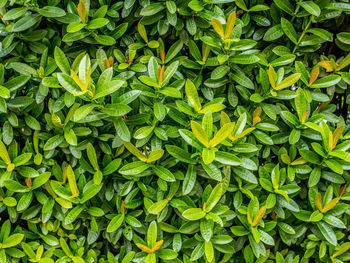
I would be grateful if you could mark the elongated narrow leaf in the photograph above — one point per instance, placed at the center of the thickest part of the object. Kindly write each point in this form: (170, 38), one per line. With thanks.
(288, 81)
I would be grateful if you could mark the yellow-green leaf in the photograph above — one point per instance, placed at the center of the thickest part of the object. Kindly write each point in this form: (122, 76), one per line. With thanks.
(91, 153)
(214, 198)
(157, 207)
(77, 80)
(215, 107)
(142, 32)
(131, 148)
(285, 158)
(272, 77)
(345, 62)
(342, 249)
(192, 95)
(193, 214)
(155, 155)
(218, 27)
(199, 133)
(4, 155)
(230, 24)
(259, 215)
(209, 251)
(222, 134)
(288, 81)
(71, 181)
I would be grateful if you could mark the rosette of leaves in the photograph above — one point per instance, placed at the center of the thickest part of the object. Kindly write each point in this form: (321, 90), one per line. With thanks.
(151, 249)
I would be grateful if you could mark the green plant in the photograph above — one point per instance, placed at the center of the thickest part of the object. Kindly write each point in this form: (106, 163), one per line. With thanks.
(174, 131)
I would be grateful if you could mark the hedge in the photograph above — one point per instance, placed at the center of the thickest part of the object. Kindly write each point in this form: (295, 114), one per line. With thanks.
(174, 131)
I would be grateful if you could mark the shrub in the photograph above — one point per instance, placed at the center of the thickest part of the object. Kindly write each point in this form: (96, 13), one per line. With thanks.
(174, 131)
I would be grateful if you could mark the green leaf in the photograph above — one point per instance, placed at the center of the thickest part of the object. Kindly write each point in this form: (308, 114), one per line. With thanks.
(97, 23)
(244, 59)
(67, 82)
(219, 72)
(208, 155)
(173, 51)
(209, 251)
(12, 240)
(152, 234)
(15, 186)
(108, 88)
(214, 198)
(115, 223)
(157, 207)
(51, 11)
(133, 168)
(120, 30)
(190, 180)
(283, 60)
(143, 132)
(326, 82)
(179, 154)
(73, 214)
(344, 37)
(152, 9)
(211, 41)
(322, 33)
(273, 33)
(243, 80)
(104, 40)
(53, 142)
(193, 214)
(327, 232)
(288, 28)
(285, 5)
(26, 22)
(83, 111)
(166, 254)
(169, 72)
(341, 154)
(227, 158)
(245, 175)
(164, 173)
(15, 13)
(92, 156)
(310, 7)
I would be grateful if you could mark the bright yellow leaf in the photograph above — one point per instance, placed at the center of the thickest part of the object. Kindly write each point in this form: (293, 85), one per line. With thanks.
(327, 65)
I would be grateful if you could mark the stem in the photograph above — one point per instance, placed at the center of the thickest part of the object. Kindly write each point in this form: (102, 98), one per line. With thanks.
(295, 13)
(302, 34)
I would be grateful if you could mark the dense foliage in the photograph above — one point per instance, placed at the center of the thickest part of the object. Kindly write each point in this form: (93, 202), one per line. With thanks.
(174, 131)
